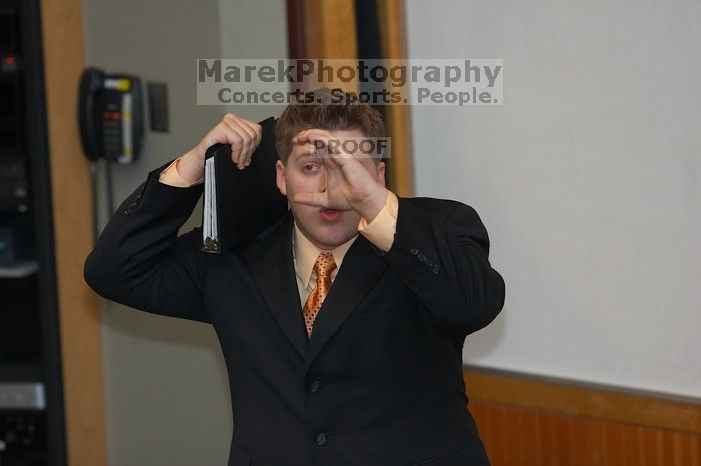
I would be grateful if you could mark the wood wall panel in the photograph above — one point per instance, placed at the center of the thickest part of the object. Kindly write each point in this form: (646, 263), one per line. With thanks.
(515, 436)
(589, 400)
(529, 429)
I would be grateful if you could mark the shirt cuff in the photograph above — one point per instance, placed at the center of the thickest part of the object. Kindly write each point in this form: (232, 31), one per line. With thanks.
(381, 230)
(171, 177)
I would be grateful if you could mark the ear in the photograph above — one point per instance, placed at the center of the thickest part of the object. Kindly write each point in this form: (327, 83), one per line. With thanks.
(381, 173)
(280, 177)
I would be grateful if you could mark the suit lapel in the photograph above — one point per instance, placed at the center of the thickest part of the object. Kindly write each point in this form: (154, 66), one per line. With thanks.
(272, 268)
(271, 265)
(361, 267)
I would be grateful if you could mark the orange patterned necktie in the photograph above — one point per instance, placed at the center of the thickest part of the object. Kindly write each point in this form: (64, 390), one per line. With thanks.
(323, 267)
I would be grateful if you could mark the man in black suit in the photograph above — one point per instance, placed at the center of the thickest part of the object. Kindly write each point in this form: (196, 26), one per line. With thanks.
(342, 325)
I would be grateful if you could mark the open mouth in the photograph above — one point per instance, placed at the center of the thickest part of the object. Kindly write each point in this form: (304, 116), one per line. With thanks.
(329, 214)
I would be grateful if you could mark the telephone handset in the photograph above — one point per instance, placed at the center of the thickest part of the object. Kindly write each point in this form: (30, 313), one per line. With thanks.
(110, 110)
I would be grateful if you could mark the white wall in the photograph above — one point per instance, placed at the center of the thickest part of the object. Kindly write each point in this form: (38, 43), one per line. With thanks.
(587, 178)
(258, 30)
(167, 393)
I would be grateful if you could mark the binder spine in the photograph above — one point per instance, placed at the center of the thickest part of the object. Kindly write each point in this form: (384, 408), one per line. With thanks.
(210, 226)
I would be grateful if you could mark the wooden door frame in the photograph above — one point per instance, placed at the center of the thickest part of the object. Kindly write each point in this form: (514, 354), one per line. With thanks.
(327, 29)
(78, 305)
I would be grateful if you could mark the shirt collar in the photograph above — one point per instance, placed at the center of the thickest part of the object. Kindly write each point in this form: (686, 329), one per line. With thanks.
(305, 254)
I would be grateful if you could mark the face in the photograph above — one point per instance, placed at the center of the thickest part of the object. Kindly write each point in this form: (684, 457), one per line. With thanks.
(306, 172)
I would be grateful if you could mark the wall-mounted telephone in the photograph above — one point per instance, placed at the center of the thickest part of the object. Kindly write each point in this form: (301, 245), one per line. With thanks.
(111, 113)
(111, 120)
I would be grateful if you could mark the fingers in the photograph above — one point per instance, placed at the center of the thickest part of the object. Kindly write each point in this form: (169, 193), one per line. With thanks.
(317, 139)
(244, 137)
(255, 131)
(239, 140)
(326, 144)
(323, 200)
(258, 129)
(304, 137)
(312, 199)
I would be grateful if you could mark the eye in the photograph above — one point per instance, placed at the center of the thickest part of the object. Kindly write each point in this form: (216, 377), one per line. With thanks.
(309, 167)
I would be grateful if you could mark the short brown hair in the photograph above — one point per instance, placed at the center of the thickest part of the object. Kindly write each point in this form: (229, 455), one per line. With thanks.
(332, 110)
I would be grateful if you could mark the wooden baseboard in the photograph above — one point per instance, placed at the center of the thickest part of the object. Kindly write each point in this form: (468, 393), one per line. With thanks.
(526, 421)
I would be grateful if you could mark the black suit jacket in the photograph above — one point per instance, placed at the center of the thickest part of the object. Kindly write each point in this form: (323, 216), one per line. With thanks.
(381, 380)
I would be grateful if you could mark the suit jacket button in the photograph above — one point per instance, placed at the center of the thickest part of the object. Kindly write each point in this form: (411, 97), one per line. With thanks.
(321, 439)
(316, 386)
(414, 251)
(421, 257)
(436, 269)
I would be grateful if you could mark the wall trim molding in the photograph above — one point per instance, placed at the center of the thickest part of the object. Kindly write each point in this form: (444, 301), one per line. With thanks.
(583, 399)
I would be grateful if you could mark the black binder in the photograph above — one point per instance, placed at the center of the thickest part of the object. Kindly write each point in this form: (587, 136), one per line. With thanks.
(239, 204)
